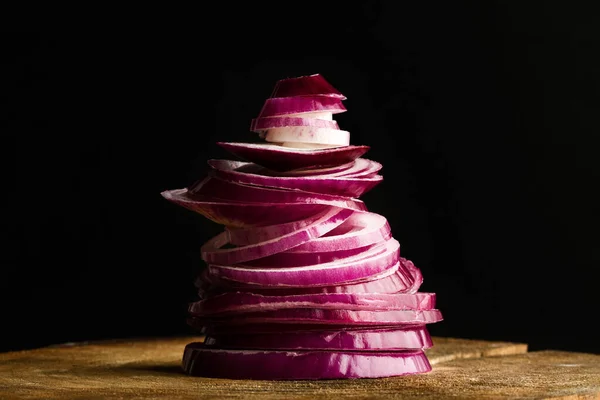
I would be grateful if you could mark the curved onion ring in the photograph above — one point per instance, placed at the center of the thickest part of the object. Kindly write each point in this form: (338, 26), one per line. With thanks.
(333, 184)
(350, 270)
(377, 339)
(308, 134)
(243, 302)
(280, 106)
(212, 251)
(262, 124)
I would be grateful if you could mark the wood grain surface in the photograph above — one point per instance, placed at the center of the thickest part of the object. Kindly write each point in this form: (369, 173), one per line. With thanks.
(150, 369)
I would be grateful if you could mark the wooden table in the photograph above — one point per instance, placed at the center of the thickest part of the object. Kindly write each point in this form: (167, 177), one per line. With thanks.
(150, 369)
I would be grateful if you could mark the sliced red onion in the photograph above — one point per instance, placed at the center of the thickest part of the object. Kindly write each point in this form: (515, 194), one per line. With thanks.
(255, 169)
(308, 134)
(311, 171)
(360, 230)
(376, 339)
(278, 328)
(242, 302)
(308, 146)
(201, 360)
(415, 273)
(350, 270)
(281, 106)
(369, 171)
(246, 236)
(278, 158)
(308, 85)
(242, 215)
(291, 259)
(263, 124)
(334, 185)
(398, 279)
(362, 168)
(328, 317)
(302, 265)
(213, 251)
(212, 187)
(327, 116)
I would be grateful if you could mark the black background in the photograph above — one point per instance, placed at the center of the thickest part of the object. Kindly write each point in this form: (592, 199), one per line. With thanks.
(484, 115)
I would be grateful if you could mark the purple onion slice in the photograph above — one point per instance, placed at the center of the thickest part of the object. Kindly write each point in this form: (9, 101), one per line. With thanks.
(201, 360)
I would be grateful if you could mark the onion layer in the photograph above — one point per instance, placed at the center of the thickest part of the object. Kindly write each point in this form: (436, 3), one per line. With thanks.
(350, 270)
(201, 360)
(262, 124)
(308, 85)
(360, 339)
(243, 215)
(397, 279)
(307, 134)
(352, 182)
(280, 106)
(280, 158)
(212, 251)
(339, 317)
(240, 302)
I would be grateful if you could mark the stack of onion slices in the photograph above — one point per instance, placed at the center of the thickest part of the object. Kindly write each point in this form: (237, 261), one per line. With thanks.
(304, 282)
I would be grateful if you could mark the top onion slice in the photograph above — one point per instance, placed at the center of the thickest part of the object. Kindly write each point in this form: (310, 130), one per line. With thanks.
(308, 85)
(212, 251)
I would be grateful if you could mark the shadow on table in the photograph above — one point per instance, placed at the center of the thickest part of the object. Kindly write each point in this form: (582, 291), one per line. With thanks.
(159, 369)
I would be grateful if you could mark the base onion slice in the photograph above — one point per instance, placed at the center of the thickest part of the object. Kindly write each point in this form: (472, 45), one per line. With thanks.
(377, 339)
(202, 360)
(280, 158)
(213, 251)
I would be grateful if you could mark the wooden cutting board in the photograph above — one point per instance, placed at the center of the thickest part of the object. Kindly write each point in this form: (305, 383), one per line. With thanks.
(150, 369)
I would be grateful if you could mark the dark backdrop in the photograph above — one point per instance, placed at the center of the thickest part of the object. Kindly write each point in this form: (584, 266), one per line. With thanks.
(485, 117)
